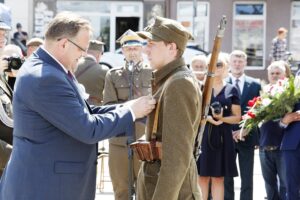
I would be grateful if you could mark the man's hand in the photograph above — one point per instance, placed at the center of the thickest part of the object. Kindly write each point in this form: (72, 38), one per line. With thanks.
(291, 117)
(238, 136)
(141, 106)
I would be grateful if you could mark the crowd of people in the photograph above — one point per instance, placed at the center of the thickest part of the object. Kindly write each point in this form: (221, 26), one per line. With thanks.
(63, 102)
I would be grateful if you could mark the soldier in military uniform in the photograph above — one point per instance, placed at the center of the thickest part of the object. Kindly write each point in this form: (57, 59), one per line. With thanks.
(6, 122)
(91, 74)
(174, 176)
(121, 84)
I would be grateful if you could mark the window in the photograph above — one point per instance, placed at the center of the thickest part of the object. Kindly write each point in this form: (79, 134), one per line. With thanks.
(107, 17)
(295, 31)
(249, 32)
(198, 25)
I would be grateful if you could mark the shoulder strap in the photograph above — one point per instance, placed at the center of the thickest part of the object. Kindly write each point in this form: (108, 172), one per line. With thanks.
(84, 70)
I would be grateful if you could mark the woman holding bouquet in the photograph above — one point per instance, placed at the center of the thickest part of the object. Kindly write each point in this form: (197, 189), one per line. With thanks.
(269, 143)
(217, 158)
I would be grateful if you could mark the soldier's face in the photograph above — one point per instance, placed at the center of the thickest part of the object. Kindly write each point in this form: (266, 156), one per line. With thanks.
(157, 53)
(132, 53)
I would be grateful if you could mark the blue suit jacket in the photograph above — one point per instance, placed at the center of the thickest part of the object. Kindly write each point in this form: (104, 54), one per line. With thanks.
(250, 90)
(291, 137)
(55, 135)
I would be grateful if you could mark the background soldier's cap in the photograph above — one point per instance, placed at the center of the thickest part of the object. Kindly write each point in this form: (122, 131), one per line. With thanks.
(4, 26)
(167, 30)
(96, 45)
(35, 42)
(130, 38)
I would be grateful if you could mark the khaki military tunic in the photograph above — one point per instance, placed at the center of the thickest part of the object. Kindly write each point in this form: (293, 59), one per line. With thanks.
(92, 76)
(175, 176)
(117, 90)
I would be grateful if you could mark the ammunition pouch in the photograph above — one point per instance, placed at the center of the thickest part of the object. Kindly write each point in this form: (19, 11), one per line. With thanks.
(147, 151)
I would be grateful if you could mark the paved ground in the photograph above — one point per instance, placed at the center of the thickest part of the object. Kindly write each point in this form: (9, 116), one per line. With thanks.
(259, 190)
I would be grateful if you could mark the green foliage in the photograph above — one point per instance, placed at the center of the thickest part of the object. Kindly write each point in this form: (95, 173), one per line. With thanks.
(280, 101)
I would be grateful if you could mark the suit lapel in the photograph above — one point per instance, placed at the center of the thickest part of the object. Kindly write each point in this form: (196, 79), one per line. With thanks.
(75, 86)
(43, 55)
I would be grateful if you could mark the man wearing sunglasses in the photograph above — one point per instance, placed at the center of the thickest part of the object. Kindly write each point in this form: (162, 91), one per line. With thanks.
(55, 131)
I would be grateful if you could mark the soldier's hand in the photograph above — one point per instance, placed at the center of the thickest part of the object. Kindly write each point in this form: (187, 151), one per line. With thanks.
(142, 106)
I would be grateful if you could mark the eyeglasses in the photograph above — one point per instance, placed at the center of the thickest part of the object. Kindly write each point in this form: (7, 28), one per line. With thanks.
(79, 47)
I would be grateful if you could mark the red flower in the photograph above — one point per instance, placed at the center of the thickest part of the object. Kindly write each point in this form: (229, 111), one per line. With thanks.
(252, 102)
(251, 114)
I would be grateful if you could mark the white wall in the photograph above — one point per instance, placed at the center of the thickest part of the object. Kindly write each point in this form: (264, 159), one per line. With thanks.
(20, 13)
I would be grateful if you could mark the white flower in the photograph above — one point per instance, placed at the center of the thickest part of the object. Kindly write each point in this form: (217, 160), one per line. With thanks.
(266, 101)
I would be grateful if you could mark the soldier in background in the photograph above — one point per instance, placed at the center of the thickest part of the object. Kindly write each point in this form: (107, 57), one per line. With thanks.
(121, 84)
(91, 74)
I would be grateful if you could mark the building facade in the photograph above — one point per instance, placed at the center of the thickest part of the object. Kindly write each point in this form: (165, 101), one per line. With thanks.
(251, 24)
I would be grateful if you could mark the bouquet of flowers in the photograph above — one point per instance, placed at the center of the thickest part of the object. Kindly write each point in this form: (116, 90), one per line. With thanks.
(273, 103)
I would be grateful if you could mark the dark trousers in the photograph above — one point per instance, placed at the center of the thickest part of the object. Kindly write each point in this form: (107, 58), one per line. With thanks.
(5, 151)
(272, 164)
(246, 165)
(292, 161)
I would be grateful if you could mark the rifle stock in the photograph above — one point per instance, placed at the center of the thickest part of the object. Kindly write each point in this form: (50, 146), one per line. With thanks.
(207, 90)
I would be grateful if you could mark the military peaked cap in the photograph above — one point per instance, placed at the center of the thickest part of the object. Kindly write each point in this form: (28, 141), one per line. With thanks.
(167, 30)
(96, 45)
(130, 38)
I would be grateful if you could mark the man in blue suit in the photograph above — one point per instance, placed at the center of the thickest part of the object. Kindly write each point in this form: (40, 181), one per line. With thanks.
(248, 88)
(55, 132)
(290, 147)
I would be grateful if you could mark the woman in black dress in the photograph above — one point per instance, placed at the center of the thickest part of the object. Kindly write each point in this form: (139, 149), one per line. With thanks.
(217, 158)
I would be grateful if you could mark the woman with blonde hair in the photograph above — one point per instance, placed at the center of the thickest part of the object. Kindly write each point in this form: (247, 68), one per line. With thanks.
(217, 158)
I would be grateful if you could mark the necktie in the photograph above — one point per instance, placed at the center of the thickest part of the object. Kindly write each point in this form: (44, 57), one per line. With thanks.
(70, 75)
(237, 86)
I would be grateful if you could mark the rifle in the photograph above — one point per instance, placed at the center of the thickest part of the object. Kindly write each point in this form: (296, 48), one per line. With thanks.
(207, 90)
